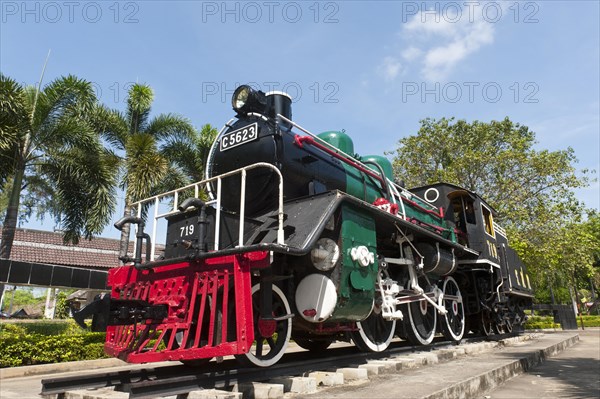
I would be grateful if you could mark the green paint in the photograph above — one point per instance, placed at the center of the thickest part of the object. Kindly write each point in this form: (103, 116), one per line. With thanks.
(357, 283)
(382, 161)
(361, 186)
(368, 189)
(339, 140)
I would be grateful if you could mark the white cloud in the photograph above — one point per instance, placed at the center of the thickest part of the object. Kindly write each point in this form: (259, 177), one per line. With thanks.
(412, 53)
(442, 42)
(390, 68)
(439, 61)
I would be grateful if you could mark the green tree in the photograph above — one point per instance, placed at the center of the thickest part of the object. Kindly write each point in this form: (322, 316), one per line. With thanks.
(51, 157)
(20, 297)
(531, 189)
(567, 252)
(496, 160)
(62, 310)
(152, 150)
(190, 155)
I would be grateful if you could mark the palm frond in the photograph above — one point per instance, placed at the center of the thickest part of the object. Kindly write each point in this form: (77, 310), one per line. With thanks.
(84, 190)
(191, 155)
(68, 131)
(67, 95)
(173, 179)
(184, 155)
(144, 166)
(208, 134)
(171, 126)
(12, 111)
(111, 125)
(139, 103)
(38, 197)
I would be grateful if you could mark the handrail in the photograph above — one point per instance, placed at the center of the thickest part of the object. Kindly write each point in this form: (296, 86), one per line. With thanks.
(156, 200)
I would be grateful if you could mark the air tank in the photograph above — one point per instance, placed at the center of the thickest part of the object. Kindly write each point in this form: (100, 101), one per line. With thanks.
(380, 160)
(339, 140)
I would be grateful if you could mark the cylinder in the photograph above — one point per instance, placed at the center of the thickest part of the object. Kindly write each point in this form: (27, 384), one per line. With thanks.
(437, 260)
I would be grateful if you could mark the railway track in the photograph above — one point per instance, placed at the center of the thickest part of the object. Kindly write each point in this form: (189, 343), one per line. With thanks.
(180, 379)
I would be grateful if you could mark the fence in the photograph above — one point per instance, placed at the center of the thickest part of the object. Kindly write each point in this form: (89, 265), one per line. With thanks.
(563, 314)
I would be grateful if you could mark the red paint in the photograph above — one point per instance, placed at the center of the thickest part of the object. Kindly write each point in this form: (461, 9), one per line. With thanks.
(256, 255)
(205, 299)
(386, 205)
(266, 328)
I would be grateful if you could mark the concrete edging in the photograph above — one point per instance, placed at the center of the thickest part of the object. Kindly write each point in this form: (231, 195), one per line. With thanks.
(481, 383)
(40, 369)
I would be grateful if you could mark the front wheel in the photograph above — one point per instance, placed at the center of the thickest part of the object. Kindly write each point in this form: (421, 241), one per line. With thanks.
(271, 337)
(374, 333)
(422, 320)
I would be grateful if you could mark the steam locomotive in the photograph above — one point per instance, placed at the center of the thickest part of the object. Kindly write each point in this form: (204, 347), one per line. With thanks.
(294, 236)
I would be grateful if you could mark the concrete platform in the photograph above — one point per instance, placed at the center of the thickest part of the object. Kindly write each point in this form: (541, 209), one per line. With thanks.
(573, 373)
(466, 376)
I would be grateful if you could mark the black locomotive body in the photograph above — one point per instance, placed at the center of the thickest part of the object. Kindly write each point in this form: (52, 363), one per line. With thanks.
(305, 239)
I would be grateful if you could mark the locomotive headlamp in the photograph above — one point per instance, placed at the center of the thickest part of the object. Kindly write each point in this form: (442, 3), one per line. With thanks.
(240, 97)
(246, 99)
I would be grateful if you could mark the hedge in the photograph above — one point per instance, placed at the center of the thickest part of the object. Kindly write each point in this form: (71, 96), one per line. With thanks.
(44, 327)
(22, 348)
(539, 322)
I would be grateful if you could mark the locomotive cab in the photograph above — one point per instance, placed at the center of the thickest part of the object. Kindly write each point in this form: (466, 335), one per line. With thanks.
(472, 217)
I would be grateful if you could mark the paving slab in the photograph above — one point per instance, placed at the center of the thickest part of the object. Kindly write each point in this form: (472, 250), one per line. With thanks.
(40, 369)
(296, 384)
(102, 393)
(259, 390)
(353, 373)
(464, 377)
(573, 373)
(326, 378)
(393, 377)
(214, 394)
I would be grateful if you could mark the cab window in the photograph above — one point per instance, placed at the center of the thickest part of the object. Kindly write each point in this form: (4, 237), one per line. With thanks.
(487, 219)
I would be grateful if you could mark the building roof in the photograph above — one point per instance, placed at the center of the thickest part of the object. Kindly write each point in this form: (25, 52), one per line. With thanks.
(47, 247)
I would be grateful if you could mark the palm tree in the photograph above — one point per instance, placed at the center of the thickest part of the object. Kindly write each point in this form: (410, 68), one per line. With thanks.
(190, 155)
(52, 159)
(152, 150)
(49, 152)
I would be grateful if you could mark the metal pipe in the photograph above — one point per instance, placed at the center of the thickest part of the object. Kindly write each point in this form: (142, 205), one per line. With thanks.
(242, 208)
(218, 216)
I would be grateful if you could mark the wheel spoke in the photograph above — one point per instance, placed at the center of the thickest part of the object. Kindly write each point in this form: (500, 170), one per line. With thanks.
(259, 346)
(420, 328)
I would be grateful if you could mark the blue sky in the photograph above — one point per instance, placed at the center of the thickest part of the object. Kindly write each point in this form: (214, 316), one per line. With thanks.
(374, 68)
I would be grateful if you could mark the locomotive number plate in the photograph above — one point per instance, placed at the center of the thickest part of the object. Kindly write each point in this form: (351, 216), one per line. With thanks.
(239, 137)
